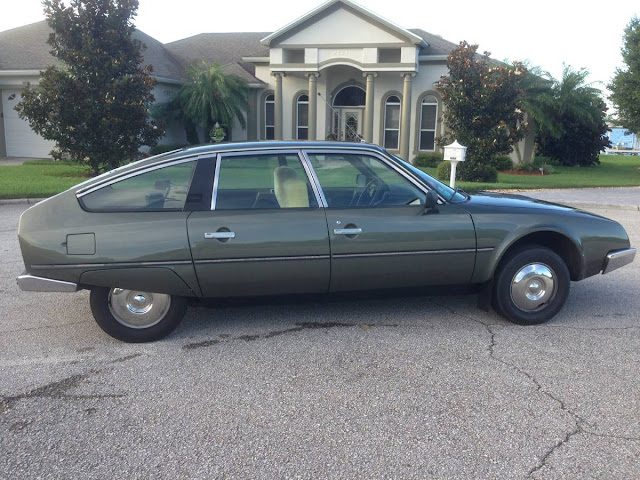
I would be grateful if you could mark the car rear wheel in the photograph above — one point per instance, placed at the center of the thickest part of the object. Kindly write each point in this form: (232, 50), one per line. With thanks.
(531, 286)
(136, 316)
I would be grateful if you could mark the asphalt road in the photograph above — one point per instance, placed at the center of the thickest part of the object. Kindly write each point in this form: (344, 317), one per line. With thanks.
(418, 387)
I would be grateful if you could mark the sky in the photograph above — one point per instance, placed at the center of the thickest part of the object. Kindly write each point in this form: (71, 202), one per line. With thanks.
(546, 33)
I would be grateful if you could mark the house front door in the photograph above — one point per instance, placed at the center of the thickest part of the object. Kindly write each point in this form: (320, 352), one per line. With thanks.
(350, 125)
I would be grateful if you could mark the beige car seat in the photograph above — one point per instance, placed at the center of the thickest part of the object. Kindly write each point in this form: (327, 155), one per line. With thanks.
(290, 189)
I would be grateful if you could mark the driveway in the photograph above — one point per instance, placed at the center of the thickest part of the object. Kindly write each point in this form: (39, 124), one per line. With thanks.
(625, 198)
(418, 387)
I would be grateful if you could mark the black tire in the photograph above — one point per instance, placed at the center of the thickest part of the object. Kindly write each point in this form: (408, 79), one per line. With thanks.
(522, 305)
(161, 325)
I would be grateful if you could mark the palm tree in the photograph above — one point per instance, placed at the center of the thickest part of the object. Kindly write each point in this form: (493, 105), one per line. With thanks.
(548, 101)
(211, 96)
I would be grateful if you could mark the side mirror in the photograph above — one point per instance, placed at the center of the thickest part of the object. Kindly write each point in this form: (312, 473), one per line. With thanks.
(431, 203)
(361, 180)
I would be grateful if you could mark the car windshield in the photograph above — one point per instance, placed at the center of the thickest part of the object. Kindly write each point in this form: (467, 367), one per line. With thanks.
(443, 190)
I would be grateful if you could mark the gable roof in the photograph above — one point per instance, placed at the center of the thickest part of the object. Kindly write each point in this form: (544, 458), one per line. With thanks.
(436, 45)
(412, 37)
(227, 49)
(26, 48)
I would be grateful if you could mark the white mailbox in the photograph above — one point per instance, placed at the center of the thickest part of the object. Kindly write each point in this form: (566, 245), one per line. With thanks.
(454, 153)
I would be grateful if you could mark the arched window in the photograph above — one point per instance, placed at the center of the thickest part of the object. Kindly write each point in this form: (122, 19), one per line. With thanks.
(269, 117)
(302, 117)
(392, 122)
(428, 119)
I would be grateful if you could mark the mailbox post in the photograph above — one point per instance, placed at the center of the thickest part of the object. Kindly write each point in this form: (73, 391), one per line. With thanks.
(454, 153)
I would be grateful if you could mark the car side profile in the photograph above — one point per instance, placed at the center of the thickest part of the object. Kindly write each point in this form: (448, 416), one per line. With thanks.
(273, 218)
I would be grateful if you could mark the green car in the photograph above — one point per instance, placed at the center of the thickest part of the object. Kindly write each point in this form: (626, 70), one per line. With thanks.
(275, 218)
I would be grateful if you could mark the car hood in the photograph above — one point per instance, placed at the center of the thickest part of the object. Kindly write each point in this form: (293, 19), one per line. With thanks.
(497, 200)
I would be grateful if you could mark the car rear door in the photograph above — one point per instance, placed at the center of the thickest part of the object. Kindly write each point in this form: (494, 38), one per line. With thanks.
(380, 236)
(266, 232)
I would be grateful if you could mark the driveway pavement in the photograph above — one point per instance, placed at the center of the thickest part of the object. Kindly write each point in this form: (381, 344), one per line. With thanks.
(13, 160)
(418, 387)
(627, 198)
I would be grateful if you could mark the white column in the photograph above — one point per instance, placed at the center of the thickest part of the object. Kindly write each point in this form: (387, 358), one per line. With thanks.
(368, 107)
(313, 105)
(277, 105)
(405, 117)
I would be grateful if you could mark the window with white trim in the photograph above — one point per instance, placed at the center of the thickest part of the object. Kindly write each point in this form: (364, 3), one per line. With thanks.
(428, 120)
(269, 117)
(392, 122)
(302, 117)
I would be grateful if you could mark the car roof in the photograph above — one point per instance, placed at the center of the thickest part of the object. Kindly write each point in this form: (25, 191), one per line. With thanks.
(199, 150)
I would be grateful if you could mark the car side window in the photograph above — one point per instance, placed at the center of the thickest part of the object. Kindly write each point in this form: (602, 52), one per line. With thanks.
(255, 181)
(164, 188)
(355, 180)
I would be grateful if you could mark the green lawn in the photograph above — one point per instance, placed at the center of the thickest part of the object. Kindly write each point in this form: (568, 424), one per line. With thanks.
(613, 171)
(43, 178)
(39, 178)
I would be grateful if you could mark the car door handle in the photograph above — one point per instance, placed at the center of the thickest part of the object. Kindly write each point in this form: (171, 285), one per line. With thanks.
(347, 231)
(220, 235)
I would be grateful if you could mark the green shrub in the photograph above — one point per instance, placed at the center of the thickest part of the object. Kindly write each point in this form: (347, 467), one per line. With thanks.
(444, 171)
(525, 167)
(502, 162)
(468, 172)
(540, 160)
(478, 172)
(158, 149)
(428, 159)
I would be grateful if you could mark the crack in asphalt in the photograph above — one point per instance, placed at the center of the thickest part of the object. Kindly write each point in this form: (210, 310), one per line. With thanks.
(589, 329)
(275, 333)
(56, 390)
(126, 358)
(579, 422)
(43, 327)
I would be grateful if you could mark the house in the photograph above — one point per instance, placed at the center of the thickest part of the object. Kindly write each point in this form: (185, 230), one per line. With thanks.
(339, 72)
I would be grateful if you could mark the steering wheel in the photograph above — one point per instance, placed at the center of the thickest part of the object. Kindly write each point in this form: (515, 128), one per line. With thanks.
(370, 193)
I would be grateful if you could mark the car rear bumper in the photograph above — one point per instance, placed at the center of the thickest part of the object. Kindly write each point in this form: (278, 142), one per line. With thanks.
(29, 283)
(618, 258)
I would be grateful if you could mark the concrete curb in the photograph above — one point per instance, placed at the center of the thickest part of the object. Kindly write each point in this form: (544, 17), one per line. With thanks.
(587, 206)
(21, 201)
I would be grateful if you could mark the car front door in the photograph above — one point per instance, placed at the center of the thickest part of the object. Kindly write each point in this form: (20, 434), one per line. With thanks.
(266, 232)
(379, 232)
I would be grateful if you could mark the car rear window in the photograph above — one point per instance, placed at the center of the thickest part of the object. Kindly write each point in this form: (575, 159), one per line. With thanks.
(164, 188)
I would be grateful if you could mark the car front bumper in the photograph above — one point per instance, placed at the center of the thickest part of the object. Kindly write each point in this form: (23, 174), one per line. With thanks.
(618, 258)
(29, 283)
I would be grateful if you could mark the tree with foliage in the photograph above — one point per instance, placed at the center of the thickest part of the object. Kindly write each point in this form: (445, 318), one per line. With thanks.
(483, 108)
(626, 81)
(570, 120)
(95, 104)
(212, 96)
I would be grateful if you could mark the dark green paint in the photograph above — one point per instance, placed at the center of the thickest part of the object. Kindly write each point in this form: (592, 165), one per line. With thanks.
(155, 250)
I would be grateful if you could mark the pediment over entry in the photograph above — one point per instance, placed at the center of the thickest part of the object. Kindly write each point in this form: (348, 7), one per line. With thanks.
(341, 23)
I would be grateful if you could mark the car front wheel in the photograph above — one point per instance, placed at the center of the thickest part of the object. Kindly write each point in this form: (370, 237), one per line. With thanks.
(531, 286)
(136, 316)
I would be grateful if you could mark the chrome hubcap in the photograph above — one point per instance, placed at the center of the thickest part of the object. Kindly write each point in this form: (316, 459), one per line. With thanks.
(136, 309)
(533, 287)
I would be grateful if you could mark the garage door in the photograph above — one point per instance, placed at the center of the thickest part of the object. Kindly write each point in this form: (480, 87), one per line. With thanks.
(21, 141)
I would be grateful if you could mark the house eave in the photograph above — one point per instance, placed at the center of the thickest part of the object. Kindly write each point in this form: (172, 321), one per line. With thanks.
(432, 58)
(415, 39)
(256, 59)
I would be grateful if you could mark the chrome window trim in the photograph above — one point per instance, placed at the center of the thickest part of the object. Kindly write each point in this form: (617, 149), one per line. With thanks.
(315, 183)
(252, 151)
(375, 154)
(141, 171)
(216, 175)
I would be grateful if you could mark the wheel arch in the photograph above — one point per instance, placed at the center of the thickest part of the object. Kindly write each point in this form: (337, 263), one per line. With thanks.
(555, 240)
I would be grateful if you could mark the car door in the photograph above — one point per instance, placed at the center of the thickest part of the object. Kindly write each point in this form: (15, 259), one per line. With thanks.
(266, 232)
(380, 235)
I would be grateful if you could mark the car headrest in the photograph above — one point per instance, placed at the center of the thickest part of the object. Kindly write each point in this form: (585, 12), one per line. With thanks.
(290, 189)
